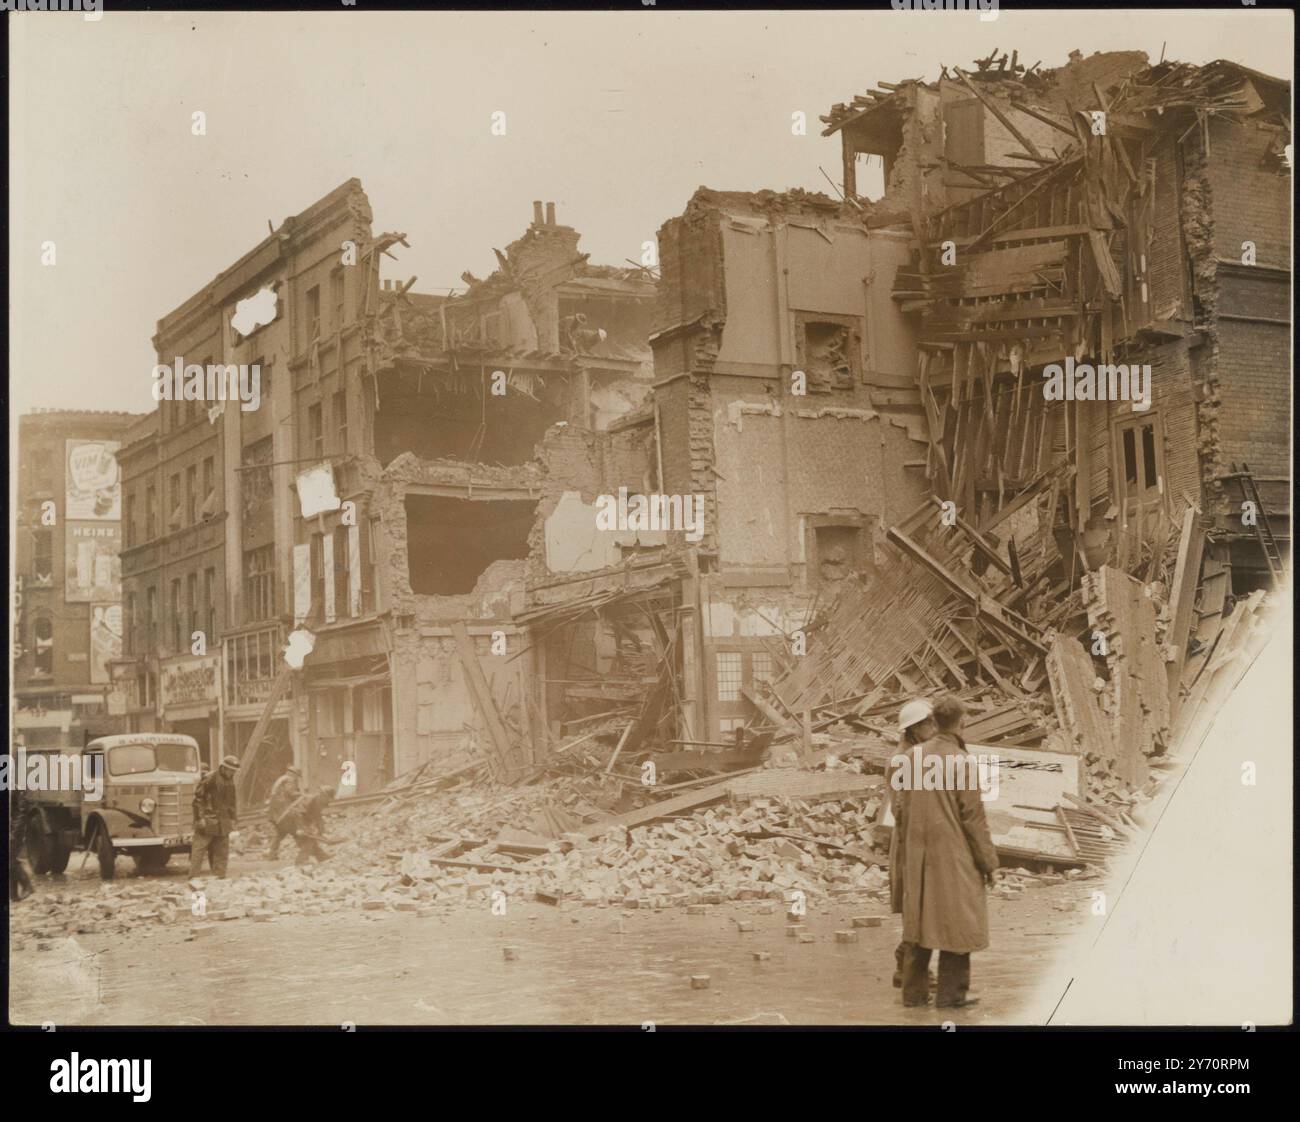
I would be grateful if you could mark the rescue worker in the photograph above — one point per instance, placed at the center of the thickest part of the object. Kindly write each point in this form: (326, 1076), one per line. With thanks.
(949, 861)
(284, 792)
(215, 812)
(304, 820)
(915, 726)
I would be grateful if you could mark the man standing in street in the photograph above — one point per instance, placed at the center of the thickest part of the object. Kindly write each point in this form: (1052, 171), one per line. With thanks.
(305, 821)
(284, 792)
(950, 859)
(215, 812)
(915, 726)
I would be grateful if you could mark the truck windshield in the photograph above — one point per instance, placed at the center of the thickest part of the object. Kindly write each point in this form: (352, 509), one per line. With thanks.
(129, 759)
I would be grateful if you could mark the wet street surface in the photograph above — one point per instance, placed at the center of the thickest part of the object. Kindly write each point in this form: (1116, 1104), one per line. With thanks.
(570, 964)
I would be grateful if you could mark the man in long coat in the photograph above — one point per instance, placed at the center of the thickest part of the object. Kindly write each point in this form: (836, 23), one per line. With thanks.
(949, 860)
(915, 725)
(215, 813)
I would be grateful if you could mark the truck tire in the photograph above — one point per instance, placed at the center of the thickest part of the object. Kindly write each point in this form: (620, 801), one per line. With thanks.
(104, 851)
(151, 861)
(59, 854)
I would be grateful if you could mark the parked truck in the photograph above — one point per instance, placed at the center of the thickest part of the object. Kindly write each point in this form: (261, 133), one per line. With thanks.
(145, 810)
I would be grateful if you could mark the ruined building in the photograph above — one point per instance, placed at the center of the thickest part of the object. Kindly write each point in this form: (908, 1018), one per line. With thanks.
(389, 493)
(857, 386)
(1112, 212)
(893, 498)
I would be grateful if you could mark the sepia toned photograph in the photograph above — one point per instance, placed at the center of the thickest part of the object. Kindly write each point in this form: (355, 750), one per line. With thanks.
(650, 518)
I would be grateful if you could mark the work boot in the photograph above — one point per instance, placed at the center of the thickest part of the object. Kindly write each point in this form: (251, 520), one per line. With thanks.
(964, 1002)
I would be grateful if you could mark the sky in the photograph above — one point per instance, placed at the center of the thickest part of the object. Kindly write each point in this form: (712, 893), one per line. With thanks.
(616, 117)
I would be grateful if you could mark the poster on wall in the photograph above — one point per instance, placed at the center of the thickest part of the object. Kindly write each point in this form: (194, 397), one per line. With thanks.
(105, 639)
(94, 488)
(92, 563)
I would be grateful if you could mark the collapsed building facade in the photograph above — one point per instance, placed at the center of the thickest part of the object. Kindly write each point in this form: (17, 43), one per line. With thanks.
(389, 493)
(852, 389)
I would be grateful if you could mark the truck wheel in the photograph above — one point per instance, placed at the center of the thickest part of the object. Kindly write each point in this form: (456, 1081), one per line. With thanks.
(59, 854)
(104, 851)
(38, 845)
(151, 861)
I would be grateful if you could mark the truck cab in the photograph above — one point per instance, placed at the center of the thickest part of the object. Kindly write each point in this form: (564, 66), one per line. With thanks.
(145, 808)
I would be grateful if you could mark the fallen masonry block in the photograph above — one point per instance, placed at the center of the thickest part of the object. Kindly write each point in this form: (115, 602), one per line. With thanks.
(696, 910)
(762, 956)
(552, 898)
(867, 921)
(199, 930)
(793, 930)
(846, 936)
(510, 954)
(231, 913)
(406, 906)
(699, 981)
(806, 938)
(262, 915)
(744, 925)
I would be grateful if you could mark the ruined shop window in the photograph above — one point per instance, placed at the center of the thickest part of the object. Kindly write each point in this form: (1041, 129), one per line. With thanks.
(452, 542)
(129, 624)
(150, 513)
(43, 646)
(728, 675)
(828, 354)
(129, 529)
(151, 618)
(259, 583)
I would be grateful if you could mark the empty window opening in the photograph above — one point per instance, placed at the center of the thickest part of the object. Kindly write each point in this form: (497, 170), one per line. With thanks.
(869, 172)
(839, 551)
(451, 542)
(465, 420)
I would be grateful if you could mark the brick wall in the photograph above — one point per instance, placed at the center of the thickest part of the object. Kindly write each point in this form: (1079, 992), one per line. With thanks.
(1255, 392)
(1252, 201)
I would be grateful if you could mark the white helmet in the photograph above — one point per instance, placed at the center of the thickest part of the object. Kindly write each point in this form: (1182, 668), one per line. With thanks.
(913, 713)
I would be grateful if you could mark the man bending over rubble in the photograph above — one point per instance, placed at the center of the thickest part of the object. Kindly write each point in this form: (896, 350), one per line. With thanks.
(949, 860)
(305, 821)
